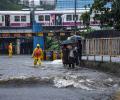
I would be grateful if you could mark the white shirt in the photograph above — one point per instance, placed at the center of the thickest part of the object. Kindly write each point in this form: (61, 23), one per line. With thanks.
(71, 53)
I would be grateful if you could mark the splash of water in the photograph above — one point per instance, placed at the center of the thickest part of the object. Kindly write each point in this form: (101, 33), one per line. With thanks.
(61, 83)
(57, 62)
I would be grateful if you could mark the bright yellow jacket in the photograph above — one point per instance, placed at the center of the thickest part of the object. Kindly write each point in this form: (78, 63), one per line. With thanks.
(10, 49)
(37, 53)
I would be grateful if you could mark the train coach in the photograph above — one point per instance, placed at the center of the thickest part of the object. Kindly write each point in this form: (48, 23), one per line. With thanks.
(14, 18)
(46, 18)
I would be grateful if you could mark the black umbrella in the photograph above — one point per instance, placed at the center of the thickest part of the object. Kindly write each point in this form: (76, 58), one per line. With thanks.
(75, 38)
(67, 42)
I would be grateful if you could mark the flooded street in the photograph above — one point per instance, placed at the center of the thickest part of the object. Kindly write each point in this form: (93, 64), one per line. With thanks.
(19, 80)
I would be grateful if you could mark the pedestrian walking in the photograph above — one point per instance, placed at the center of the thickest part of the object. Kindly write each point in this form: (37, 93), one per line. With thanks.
(37, 54)
(10, 50)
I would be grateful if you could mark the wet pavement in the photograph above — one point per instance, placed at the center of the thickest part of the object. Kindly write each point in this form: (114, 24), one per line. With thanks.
(19, 80)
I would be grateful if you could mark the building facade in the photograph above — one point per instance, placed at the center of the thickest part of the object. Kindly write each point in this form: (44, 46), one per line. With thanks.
(25, 2)
(70, 4)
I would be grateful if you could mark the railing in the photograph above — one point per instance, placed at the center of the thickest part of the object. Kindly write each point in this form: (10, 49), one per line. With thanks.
(15, 30)
(95, 49)
(102, 46)
(102, 49)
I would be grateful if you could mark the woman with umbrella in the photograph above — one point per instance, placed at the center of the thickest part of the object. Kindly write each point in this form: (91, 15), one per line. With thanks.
(77, 39)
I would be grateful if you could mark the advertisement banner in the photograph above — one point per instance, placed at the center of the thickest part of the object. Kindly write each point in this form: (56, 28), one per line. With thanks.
(38, 40)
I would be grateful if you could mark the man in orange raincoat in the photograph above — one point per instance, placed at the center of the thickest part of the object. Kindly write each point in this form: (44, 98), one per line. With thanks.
(10, 50)
(37, 55)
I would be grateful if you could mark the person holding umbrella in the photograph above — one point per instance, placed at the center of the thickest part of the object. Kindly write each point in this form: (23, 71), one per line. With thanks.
(71, 58)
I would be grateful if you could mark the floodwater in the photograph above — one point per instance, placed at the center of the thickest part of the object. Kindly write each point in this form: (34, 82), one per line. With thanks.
(19, 80)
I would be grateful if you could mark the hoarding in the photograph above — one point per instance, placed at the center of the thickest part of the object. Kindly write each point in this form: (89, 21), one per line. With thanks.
(38, 40)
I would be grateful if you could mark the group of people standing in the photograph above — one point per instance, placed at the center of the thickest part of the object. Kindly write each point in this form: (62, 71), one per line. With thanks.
(72, 54)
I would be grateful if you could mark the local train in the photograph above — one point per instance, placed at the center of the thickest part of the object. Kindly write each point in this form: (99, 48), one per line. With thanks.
(46, 18)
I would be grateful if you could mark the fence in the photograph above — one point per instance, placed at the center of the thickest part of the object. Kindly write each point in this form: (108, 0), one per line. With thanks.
(95, 49)
(98, 49)
(102, 46)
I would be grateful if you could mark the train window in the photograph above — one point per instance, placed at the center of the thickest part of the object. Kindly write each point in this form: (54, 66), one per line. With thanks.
(17, 18)
(23, 18)
(47, 17)
(41, 18)
(2, 18)
(69, 17)
(76, 17)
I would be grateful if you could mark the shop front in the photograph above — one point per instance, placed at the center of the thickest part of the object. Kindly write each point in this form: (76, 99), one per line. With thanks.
(22, 43)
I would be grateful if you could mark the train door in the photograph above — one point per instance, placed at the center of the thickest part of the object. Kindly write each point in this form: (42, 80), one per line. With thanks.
(53, 19)
(7, 20)
(58, 19)
(3, 20)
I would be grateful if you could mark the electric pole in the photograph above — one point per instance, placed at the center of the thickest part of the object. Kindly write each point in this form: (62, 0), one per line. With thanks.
(75, 17)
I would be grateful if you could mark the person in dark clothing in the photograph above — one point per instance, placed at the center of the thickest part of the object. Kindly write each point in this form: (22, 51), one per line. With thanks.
(65, 52)
(79, 49)
(76, 55)
(51, 57)
(44, 55)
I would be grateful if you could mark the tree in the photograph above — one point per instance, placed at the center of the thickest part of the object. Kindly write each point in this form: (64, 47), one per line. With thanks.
(102, 12)
(52, 44)
(10, 5)
(116, 13)
(85, 17)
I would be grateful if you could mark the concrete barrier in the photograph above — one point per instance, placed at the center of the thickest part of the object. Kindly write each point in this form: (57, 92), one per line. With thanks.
(111, 67)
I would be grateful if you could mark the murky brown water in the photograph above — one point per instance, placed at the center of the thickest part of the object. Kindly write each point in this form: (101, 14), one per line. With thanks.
(94, 85)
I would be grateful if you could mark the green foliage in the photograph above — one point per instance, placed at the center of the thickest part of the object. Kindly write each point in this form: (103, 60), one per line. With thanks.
(52, 44)
(87, 31)
(102, 13)
(85, 17)
(98, 5)
(109, 17)
(10, 5)
(116, 13)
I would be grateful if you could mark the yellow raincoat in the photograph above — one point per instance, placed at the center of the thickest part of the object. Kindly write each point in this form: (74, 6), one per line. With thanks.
(37, 55)
(10, 50)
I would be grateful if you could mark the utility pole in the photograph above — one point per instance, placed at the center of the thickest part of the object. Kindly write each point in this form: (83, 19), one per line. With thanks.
(32, 16)
(32, 11)
(75, 19)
